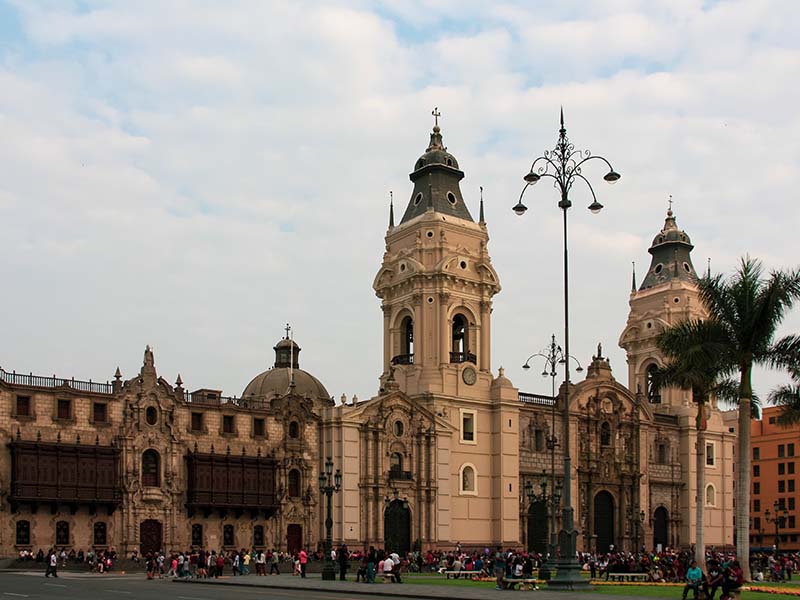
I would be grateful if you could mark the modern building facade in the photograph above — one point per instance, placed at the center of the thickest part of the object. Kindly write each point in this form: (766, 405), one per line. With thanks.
(443, 454)
(776, 470)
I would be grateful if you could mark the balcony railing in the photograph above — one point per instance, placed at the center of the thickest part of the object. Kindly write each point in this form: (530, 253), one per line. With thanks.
(538, 399)
(400, 475)
(203, 400)
(403, 359)
(31, 380)
(462, 357)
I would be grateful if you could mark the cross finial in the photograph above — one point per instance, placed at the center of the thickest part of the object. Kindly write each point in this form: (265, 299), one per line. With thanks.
(288, 329)
(436, 114)
(669, 212)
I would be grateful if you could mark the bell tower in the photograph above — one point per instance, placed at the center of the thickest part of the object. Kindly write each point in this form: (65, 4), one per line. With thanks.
(668, 295)
(436, 283)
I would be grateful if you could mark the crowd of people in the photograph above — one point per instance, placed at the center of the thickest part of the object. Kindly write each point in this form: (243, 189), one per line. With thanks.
(100, 561)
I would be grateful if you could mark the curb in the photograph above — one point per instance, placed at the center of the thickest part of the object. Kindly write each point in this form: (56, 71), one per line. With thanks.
(370, 591)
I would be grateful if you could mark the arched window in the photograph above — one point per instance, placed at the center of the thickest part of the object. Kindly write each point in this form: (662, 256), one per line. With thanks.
(711, 495)
(653, 394)
(23, 533)
(151, 469)
(227, 536)
(197, 535)
(407, 331)
(62, 533)
(467, 483)
(294, 483)
(396, 465)
(100, 536)
(294, 430)
(258, 536)
(460, 341)
(605, 434)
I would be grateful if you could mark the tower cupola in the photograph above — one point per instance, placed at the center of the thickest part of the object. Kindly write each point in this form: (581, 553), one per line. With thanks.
(436, 178)
(671, 251)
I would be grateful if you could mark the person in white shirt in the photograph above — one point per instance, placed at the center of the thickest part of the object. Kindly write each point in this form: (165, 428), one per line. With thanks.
(52, 565)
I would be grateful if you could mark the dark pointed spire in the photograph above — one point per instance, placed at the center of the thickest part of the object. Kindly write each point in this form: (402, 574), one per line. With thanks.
(708, 272)
(391, 209)
(633, 277)
(481, 219)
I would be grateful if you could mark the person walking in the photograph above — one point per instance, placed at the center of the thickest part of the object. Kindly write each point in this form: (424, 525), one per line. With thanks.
(52, 565)
(303, 556)
(372, 560)
(273, 563)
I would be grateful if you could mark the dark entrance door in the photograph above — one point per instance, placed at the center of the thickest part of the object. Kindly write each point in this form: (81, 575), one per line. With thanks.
(397, 527)
(604, 521)
(661, 527)
(294, 538)
(150, 540)
(537, 527)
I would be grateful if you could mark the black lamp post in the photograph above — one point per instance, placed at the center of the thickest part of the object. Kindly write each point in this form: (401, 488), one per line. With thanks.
(551, 502)
(329, 483)
(563, 164)
(553, 356)
(777, 519)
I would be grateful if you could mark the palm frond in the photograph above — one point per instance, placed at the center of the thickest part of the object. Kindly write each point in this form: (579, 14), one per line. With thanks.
(785, 354)
(788, 397)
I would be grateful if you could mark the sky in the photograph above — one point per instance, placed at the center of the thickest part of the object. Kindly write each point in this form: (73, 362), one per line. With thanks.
(193, 175)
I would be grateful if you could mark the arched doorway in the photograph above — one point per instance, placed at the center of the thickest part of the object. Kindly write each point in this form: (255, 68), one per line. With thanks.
(150, 536)
(397, 527)
(537, 527)
(294, 538)
(661, 527)
(604, 521)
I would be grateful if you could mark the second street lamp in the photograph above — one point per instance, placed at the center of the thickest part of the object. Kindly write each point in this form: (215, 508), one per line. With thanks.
(553, 356)
(777, 519)
(329, 484)
(563, 164)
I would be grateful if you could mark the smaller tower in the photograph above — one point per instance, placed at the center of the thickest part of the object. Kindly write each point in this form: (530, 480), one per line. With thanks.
(668, 294)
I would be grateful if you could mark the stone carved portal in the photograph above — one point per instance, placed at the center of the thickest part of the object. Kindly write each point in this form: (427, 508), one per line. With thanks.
(150, 536)
(604, 521)
(661, 527)
(537, 527)
(397, 527)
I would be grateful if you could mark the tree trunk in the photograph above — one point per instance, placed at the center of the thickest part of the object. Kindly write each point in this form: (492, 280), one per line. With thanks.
(700, 545)
(743, 474)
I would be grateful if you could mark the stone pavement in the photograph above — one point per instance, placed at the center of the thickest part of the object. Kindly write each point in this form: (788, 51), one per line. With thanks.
(408, 590)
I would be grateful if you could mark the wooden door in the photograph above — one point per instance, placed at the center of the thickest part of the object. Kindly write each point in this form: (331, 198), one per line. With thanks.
(150, 536)
(294, 538)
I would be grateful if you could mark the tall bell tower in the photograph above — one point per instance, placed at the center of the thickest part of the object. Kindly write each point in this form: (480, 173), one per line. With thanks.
(668, 295)
(436, 283)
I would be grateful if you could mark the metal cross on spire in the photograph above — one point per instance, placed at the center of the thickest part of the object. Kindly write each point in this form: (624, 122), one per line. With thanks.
(436, 114)
(288, 330)
(670, 204)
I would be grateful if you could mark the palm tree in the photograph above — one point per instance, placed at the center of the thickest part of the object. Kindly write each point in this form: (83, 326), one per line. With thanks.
(787, 396)
(691, 370)
(743, 315)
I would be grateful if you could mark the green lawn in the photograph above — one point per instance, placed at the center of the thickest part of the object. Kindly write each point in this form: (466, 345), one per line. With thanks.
(653, 591)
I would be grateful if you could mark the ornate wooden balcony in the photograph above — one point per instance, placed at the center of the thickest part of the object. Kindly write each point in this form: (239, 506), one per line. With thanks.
(462, 357)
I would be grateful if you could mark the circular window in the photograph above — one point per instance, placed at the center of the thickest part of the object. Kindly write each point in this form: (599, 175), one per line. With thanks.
(659, 268)
(402, 267)
(649, 325)
(418, 199)
(451, 198)
(398, 428)
(687, 268)
(430, 299)
(676, 300)
(429, 234)
(463, 264)
(151, 415)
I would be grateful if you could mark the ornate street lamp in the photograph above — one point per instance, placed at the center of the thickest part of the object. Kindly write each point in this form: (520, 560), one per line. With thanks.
(553, 356)
(329, 484)
(551, 502)
(564, 165)
(778, 518)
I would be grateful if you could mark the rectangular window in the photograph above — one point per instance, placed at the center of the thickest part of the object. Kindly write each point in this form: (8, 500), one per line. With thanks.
(792, 522)
(756, 470)
(100, 412)
(258, 427)
(790, 468)
(756, 522)
(538, 436)
(791, 485)
(790, 450)
(468, 426)
(756, 506)
(64, 409)
(662, 455)
(710, 454)
(756, 453)
(781, 451)
(781, 468)
(197, 421)
(791, 503)
(227, 424)
(782, 503)
(756, 488)
(197, 535)
(23, 406)
(781, 487)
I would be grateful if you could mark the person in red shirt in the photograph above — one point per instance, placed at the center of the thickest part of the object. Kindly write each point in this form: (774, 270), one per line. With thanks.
(303, 562)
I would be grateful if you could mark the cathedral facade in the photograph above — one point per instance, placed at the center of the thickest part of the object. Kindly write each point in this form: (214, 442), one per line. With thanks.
(446, 452)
